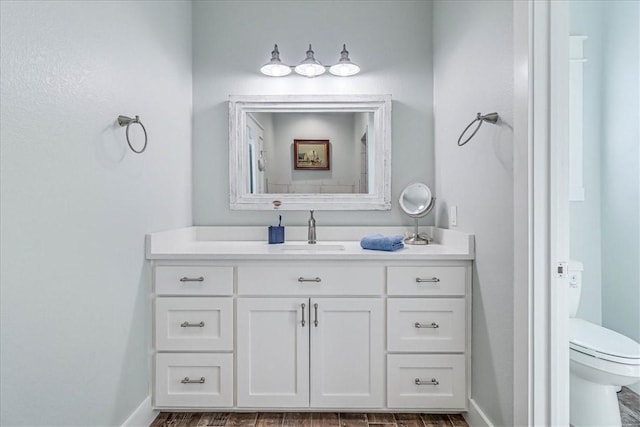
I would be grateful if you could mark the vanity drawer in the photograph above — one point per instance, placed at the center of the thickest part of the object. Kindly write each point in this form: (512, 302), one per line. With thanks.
(427, 281)
(194, 380)
(426, 381)
(310, 279)
(193, 280)
(426, 324)
(194, 324)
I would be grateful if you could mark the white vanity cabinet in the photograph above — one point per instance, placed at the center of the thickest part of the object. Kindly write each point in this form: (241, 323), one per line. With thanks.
(324, 349)
(310, 352)
(428, 335)
(248, 326)
(193, 336)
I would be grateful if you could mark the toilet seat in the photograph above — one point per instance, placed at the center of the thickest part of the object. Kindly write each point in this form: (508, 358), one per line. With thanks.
(602, 343)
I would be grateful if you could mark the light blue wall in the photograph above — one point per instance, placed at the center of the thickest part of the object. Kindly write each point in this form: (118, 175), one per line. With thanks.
(586, 240)
(390, 40)
(605, 228)
(620, 165)
(76, 203)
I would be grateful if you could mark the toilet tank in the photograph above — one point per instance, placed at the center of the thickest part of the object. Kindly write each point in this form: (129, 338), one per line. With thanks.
(575, 286)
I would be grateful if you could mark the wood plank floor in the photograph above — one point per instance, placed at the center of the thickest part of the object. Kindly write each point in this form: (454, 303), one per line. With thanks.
(305, 419)
(629, 403)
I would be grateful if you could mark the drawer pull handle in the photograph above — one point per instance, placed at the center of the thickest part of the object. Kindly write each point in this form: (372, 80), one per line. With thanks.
(315, 309)
(433, 325)
(192, 325)
(192, 279)
(431, 280)
(186, 380)
(304, 279)
(303, 322)
(432, 382)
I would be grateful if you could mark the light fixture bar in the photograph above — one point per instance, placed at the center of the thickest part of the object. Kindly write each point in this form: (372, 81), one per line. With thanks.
(310, 66)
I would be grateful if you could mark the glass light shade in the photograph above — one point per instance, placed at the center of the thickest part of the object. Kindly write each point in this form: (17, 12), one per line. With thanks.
(310, 67)
(275, 67)
(344, 67)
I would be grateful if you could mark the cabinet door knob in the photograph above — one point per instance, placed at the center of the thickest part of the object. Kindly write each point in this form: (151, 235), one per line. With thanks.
(303, 322)
(433, 381)
(306, 279)
(192, 279)
(427, 280)
(432, 325)
(192, 325)
(186, 380)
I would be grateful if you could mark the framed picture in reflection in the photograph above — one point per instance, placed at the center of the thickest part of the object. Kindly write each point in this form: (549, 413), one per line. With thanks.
(311, 154)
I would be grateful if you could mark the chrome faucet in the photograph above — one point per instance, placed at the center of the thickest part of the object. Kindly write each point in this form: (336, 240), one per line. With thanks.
(312, 230)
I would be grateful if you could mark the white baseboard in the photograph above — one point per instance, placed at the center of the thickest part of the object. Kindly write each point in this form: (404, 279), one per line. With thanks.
(475, 417)
(143, 416)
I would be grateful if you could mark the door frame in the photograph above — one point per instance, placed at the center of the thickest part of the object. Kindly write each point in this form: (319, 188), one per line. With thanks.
(541, 353)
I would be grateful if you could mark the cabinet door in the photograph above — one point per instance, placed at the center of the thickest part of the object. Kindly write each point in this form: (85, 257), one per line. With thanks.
(273, 352)
(347, 353)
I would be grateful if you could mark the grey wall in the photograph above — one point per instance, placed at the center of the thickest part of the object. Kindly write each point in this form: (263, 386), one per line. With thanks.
(76, 203)
(473, 72)
(390, 40)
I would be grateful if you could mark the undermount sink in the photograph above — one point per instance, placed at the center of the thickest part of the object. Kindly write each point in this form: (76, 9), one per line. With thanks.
(303, 246)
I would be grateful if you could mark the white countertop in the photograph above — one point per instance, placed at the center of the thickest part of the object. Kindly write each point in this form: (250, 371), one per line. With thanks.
(334, 243)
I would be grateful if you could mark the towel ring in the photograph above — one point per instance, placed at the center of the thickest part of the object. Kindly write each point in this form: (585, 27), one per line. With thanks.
(491, 118)
(128, 121)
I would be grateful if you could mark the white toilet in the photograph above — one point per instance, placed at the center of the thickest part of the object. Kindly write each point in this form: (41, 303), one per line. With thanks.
(601, 362)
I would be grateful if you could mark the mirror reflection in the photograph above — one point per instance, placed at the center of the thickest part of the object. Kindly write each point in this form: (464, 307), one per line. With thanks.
(310, 152)
(300, 152)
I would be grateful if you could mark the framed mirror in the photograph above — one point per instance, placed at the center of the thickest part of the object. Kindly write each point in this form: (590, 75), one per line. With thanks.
(301, 152)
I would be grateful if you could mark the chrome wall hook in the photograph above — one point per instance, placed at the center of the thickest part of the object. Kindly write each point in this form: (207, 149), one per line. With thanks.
(490, 117)
(128, 121)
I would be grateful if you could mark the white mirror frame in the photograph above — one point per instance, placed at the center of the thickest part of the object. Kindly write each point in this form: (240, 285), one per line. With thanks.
(241, 199)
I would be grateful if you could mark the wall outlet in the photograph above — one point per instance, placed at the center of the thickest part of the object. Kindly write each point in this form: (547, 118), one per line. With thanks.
(453, 216)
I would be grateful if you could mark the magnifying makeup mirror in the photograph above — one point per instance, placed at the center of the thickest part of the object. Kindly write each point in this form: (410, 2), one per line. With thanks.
(416, 201)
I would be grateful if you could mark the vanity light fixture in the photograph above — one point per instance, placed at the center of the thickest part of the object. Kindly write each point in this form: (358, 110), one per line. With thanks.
(310, 66)
(275, 67)
(344, 67)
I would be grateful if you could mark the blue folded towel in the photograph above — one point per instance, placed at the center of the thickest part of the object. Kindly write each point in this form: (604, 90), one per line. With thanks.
(379, 242)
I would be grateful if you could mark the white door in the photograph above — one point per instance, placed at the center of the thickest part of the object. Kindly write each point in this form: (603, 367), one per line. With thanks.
(347, 352)
(541, 176)
(273, 352)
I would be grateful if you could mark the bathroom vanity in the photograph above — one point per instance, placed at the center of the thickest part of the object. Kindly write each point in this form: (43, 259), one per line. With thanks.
(241, 324)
